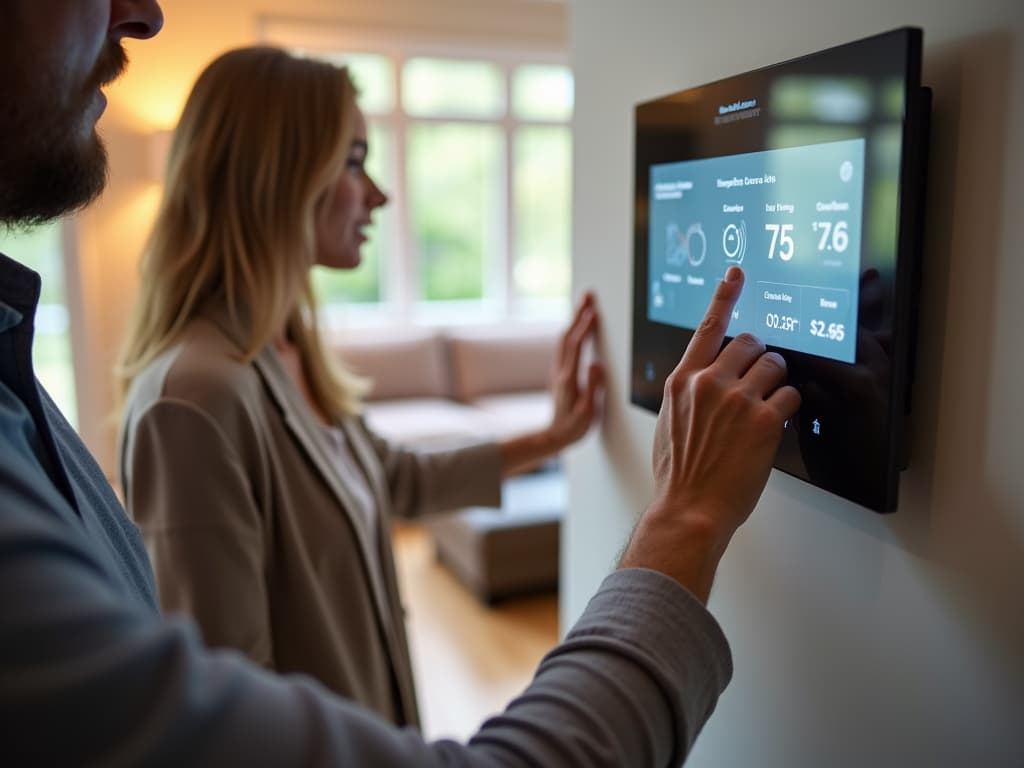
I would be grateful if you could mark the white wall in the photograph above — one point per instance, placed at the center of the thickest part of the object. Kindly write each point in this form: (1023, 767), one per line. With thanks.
(858, 639)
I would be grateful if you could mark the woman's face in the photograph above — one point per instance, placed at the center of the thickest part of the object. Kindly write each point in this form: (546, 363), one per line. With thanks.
(345, 213)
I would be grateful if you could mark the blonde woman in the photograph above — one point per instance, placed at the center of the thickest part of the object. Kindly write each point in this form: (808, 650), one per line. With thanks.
(264, 499)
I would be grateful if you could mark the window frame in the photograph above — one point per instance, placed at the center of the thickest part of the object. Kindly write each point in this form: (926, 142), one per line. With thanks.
(400, 302)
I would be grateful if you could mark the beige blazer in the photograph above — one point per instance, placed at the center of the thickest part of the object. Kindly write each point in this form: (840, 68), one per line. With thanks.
(249, 526)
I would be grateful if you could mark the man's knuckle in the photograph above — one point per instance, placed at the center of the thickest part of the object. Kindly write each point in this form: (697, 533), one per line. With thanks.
(773, 361)
(735, 398)
(710, 323)
(703, 383)
(675, 384)
(749, 340)
(765, 419)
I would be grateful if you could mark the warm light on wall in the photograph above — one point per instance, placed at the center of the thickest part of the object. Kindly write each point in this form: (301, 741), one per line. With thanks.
(158, 145)
(134, 220)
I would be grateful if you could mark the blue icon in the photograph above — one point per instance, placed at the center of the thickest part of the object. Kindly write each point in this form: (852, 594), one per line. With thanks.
(734, 242)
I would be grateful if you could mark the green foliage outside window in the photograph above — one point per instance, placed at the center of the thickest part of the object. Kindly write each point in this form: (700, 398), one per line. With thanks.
(542, 92)
(41, 249)
(455, 205)
(452, 88)
(543, 190)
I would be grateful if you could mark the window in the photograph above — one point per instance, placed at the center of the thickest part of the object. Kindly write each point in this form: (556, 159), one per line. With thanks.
(42, 249)
(475, 154)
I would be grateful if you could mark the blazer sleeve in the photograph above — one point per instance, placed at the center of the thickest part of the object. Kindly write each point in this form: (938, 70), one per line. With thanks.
(423, 482)
(192, 495)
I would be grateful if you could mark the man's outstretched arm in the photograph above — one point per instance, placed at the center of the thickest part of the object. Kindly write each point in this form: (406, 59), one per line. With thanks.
(90, 676)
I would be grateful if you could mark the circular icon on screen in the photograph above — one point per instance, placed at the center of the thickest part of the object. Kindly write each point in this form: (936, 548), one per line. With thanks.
(734, 242)
(696, 244)
(846, 170)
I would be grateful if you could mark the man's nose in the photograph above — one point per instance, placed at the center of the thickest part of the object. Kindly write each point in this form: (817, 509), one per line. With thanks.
(140, 19)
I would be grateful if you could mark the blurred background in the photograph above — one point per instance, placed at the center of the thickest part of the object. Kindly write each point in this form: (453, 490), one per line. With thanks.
(469, 105)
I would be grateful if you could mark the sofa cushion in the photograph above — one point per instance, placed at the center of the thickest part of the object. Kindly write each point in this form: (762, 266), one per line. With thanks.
(494, 360)
(402, 363)
(427, 423)
(514, 414)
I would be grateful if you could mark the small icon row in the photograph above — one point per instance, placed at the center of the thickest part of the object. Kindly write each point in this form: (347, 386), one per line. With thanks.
(815, 426)
(691, 246)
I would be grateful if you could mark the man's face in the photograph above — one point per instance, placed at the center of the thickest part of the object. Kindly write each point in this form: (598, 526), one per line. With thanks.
(54, 58)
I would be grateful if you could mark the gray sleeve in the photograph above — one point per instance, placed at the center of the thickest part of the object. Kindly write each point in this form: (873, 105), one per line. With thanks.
(632, 684)
(89, 677)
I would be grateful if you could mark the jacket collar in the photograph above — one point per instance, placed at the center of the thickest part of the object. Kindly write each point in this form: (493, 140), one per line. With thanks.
(20, 288)
(19, 292)
(9, 317)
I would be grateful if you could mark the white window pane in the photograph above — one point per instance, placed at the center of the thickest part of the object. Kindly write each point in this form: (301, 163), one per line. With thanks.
(456, 203)
(542, 92)
(452, 88)
(41, 249)
(364, 284)
(543, 201)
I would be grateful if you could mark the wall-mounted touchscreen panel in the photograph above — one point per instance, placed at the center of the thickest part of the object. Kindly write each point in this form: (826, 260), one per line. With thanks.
(810, 175)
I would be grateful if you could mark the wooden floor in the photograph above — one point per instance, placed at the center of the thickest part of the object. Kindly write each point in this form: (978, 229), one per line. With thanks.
(469, 659)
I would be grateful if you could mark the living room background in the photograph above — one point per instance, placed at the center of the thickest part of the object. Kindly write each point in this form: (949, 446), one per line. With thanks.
(145, 103)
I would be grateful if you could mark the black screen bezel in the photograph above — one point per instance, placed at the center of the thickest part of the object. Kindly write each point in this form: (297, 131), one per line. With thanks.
(657, 347)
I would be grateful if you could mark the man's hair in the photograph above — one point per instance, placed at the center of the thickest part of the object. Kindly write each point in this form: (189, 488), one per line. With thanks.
(262, 137)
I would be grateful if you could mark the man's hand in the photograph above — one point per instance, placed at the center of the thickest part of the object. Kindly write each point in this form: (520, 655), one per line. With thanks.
(720, 424)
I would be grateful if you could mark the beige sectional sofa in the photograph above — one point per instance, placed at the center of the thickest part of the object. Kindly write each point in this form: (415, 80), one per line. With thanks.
(440, 387)
(435, 388)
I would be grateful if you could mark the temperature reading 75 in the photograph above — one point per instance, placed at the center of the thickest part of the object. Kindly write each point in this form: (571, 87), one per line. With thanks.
(781, 237)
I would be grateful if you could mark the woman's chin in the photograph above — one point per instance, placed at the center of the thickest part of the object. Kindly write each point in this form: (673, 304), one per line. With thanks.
(339, 261)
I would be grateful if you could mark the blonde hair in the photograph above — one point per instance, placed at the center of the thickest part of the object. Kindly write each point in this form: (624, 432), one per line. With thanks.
(262, 136)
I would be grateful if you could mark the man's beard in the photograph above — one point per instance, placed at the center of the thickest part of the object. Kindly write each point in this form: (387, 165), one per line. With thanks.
(46, 171)
(49, 182)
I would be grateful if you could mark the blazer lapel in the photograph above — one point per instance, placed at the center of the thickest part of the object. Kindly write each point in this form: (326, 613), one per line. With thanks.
(308, 433)
(364, 453)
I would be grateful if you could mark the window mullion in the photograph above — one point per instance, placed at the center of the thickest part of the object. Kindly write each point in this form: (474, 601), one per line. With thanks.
(405, 281)
(507, 262)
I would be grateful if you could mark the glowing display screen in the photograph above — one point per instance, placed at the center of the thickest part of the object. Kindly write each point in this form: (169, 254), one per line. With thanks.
(791, 218)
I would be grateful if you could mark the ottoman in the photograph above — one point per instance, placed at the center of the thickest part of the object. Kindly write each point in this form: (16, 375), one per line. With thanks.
(507, 552)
